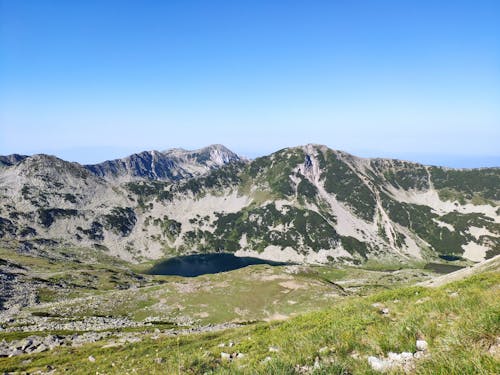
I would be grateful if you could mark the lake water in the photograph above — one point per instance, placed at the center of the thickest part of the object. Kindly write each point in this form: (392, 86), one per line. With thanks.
(442, 268)
(201, 264)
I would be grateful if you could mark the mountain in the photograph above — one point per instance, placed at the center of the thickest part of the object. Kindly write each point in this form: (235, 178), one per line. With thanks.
(9, 160)
(303, 204)
(171, 165)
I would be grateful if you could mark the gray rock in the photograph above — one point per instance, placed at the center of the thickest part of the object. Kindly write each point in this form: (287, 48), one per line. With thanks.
(406, 356)
(418, 355)
(15, 352)
(421, 345)
(23, 344)
(378, 364)
(41, 348)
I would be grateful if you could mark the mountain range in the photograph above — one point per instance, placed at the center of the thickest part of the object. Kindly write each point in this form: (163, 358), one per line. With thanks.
(307, 204)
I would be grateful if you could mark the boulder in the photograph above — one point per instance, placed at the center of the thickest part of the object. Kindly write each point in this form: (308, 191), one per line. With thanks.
(421, 345)
(378, 364)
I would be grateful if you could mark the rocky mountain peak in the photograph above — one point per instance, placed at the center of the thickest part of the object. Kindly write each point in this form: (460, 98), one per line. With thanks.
(170, 165)
(307, 203)
(217, 153)
(9, 160)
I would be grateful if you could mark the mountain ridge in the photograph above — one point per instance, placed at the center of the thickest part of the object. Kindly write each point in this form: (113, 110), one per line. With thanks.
(12, 159)
(307, 204)
(172, 164)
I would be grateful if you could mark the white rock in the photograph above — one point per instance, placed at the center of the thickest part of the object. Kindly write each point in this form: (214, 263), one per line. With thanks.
(274, 349)
(394, 356)
(317, 363)
(421, 345)
(406, 355)
(225, 356)
(419, 355)
(91, 358)
(378, 364)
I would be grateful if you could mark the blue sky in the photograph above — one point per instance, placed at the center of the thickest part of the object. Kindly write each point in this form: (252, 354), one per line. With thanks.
(93, 80)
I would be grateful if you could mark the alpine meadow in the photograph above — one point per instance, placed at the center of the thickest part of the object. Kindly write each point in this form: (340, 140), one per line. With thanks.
(319, 191)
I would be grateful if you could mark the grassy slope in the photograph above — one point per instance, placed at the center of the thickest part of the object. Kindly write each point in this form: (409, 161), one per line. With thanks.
(61, 278)
(459, 330)
(249, 294)
(252, 293)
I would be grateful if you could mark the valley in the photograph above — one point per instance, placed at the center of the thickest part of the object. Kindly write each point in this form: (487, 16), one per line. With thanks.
(308, 260)
(103, 317)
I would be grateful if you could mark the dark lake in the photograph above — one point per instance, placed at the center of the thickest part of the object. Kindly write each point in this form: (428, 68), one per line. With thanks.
(442, 268)
(201, 264)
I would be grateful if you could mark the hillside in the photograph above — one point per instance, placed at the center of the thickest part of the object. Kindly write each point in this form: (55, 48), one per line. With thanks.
(304, 204)
(452, 329)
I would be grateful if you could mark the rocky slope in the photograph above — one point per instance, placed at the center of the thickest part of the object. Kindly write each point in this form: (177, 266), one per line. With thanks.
(304, 204)
(170, 165)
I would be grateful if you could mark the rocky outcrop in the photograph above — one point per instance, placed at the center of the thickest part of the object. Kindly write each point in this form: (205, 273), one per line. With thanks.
(307, 204)
(170, 165)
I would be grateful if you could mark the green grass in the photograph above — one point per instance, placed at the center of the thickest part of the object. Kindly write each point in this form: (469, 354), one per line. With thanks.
(459, 331)
(248, 294)
(65, 276)
(253, 293)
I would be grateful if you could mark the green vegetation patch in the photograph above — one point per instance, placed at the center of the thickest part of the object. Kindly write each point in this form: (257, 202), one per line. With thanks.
(353, 245)
(419, 219)
(402, 174)
(121, 220)
(471, 182)
(347, 186)
(169, 227)
(293, 227)
(47, 216)
(275, 170)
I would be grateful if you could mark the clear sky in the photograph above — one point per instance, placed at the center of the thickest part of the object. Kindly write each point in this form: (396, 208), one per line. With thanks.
(89, 80)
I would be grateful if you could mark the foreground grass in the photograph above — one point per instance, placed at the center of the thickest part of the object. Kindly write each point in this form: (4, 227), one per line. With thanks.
(460, 321)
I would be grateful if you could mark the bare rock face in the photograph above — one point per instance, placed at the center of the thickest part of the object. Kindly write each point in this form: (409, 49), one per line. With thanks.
(307, 204)
(9, 160)
(170, 165)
